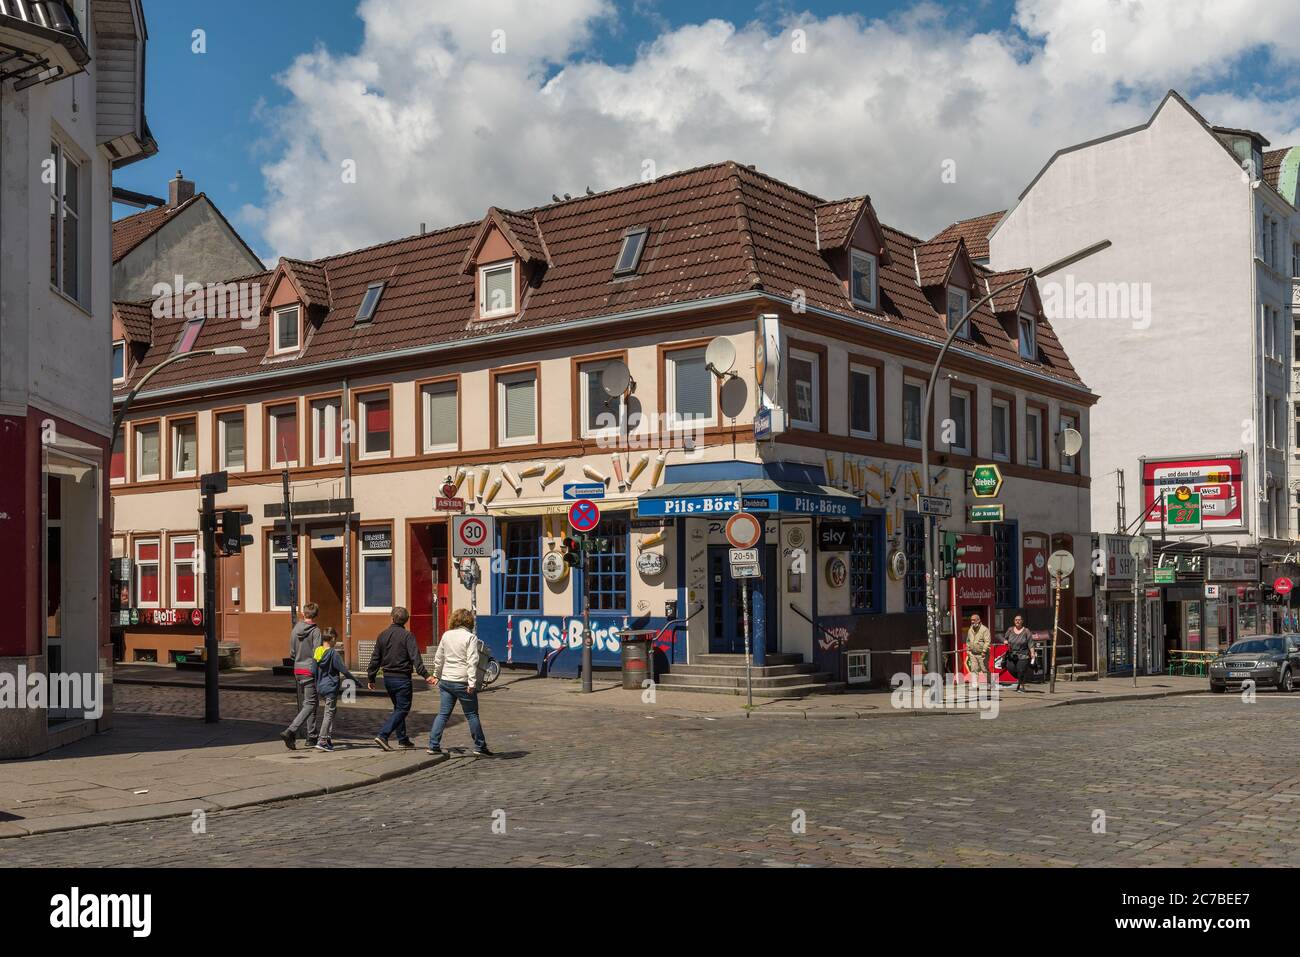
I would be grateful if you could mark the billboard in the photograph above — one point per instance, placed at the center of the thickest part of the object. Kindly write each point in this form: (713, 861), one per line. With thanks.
(1035, 549)
(1219, 481)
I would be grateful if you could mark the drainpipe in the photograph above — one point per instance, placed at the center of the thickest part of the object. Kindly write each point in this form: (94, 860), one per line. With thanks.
(347, 530)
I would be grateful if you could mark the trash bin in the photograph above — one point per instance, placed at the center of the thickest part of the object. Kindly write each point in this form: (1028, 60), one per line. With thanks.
(635, 648)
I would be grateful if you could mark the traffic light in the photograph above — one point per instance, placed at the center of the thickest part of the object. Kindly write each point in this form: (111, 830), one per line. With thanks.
(572, 552)
(947, 554)
(958, 566)
(232, 539)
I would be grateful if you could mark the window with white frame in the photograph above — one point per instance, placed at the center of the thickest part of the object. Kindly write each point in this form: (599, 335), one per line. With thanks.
(957, 300)
(862, 401)
(496, 290)
(375, 411)
(441, 416)
(148, 452)
(326, 431)
(802, 385)
(517, 408)
(147, 593)
(184, 572)
(185, 448)
(602, 414)
(1069, 463)
(691, 391)
(959, 411)
(1034, 437)
(862, 278)
(377, 568)
(286, 330)
(1028, 339)
(283, 572)
(119, 361)
(64, 178)
(282, 435)
(913, 398)
(857, 667)
(1001, 445)
(230, 440)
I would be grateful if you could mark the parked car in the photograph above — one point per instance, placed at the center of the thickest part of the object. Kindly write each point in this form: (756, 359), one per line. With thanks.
(1268, 660)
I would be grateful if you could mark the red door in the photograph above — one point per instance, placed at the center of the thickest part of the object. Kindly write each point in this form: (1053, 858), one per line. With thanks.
(429, 580)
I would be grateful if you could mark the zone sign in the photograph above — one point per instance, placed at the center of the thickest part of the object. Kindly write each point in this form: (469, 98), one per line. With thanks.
(472, 536)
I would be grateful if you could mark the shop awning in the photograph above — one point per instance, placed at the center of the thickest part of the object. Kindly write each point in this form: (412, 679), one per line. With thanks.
(559, 508)
(761, 495)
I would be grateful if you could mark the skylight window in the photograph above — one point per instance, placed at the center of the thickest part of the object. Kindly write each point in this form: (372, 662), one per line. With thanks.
(629, 257)
(366, 311)
(189, 334)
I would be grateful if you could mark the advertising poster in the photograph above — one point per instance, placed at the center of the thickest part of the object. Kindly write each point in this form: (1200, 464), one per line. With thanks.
(1217, 480)
(1035, 547)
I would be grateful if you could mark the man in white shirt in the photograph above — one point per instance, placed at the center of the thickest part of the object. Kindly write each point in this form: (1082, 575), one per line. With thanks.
(456, 669)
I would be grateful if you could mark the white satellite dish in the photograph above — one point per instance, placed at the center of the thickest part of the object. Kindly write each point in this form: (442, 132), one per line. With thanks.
(1071, 441)
(720, 356)
(615, 378)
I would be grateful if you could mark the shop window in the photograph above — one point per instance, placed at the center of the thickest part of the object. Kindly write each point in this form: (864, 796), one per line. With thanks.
(184, 572)
(283, 573)
(521, 582)
(914, 549)
(376, 425)
(607, 579)
(864, 566)
(147, 594)
(377, 568)
(1005, 566)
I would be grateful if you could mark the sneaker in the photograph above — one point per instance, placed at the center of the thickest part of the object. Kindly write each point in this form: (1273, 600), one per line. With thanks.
(383, 742)
(310, 743)
(483, 753)
(324, 746)
(289, 738)
(435, 751)
(406, 745)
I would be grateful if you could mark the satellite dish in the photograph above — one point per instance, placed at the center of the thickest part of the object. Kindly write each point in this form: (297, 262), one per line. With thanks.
(1071, 441)
(615, 378)
(734, 394)
(720, 356)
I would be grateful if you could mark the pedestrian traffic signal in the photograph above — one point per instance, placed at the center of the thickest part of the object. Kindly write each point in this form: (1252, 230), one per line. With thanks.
(232, 539)
(572, 551)
(958, 566)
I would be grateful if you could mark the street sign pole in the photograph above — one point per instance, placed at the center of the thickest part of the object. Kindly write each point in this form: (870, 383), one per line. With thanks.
(744, 616)
(1056, 627)
(586, 618)
(211, 650)
(1137, 599)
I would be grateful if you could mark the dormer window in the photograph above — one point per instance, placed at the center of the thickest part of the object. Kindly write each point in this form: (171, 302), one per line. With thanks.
(862, 278)
(369, 302)
(496, 290)
(1028, 341)
(189, 334)
(119, 361)
(286, 331)
(957, 300)
(629, 256)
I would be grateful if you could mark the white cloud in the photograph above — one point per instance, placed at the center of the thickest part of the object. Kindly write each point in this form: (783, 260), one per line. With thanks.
(440, 126)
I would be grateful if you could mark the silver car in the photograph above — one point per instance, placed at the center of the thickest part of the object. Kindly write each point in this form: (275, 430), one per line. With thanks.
(1268, 660)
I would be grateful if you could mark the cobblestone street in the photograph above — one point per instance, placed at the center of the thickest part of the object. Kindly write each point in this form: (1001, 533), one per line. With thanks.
(576, 787)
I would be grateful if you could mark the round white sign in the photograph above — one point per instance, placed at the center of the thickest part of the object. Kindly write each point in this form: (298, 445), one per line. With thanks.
(650, 564)
(554, 567)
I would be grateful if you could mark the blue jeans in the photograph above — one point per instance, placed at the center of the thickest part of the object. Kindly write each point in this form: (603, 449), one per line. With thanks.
(399, 692)
(451, 692)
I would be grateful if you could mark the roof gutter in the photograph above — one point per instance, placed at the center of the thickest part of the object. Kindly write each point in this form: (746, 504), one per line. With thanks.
(700, 304)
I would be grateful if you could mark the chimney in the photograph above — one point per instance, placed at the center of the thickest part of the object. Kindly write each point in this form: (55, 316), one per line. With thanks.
(179, 190)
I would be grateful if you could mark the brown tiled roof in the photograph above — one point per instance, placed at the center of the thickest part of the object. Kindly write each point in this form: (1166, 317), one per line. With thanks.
(714, 231)
(1008, 300)
(310, 279)
(131, 231)
(835, 221)
(975, 231)
(137, 321)
(934, 260)
(1273, 164)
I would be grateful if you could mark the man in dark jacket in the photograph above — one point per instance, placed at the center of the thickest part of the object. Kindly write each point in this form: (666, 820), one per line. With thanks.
(303, 642)
(397, 653)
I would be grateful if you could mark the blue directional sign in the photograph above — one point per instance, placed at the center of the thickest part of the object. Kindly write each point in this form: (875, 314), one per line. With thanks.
(576, 490)
(584, 515)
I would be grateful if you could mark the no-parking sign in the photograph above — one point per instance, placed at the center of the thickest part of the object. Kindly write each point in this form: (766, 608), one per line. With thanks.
(472, 536)
(584, 516)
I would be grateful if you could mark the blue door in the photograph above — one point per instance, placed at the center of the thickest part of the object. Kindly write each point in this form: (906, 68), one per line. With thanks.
(725, 634)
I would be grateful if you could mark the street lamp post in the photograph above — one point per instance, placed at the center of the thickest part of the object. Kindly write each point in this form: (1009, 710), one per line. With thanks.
(130, 396)
(932, 600)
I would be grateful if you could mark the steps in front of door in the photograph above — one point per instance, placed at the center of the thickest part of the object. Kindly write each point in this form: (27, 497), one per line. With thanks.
(786, 676)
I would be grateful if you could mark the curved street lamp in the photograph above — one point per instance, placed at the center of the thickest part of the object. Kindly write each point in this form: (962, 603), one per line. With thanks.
(130, 396)
(931, 595)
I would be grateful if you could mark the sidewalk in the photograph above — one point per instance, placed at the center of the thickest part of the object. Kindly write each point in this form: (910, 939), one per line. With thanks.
(153, 766)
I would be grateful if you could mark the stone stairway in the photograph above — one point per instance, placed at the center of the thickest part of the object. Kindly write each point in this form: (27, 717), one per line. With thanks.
(784, 676)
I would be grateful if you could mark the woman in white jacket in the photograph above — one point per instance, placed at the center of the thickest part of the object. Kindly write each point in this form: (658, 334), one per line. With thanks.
(456, 671)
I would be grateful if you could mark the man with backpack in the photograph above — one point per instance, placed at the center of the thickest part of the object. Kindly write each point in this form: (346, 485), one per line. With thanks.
(398, 654)
(330, 672)
(458, 670)
(303, 642)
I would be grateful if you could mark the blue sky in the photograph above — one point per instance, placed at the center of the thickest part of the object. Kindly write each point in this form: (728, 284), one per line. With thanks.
(216, 115)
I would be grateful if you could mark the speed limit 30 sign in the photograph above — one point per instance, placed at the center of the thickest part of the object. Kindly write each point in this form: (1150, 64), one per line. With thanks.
(472, 536)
